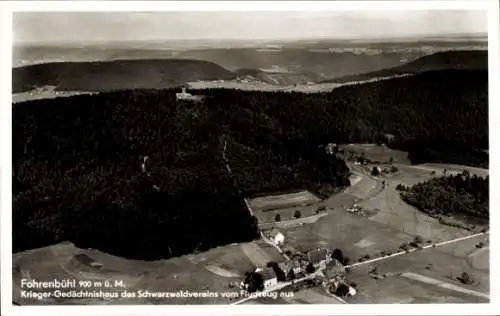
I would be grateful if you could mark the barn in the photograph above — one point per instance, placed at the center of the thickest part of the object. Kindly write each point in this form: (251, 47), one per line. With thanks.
(268, 276)
(319, 258)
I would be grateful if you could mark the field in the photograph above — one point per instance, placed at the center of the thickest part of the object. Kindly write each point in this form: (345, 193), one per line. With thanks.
(452, 169)
(395, 213)
(393, 220)
(429, 276)
(48, 92)
(264, 86)
(266, 208)
(307, 296)
(374, 152)
(356, 236)
(216, 270)
(283, 200)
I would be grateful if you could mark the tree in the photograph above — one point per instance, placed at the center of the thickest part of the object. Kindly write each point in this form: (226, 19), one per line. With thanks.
(465, 278)
(280, 274)
(277, 217)
(338, 255)
(418, 239)
(405, 246)
(342, 290)
(310, 268)
(297, 214)
(270, 264)
(400, 187)
(254, 281)
(346, 261)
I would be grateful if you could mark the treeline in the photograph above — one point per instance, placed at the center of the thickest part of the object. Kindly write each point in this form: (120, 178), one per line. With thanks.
(460, 194)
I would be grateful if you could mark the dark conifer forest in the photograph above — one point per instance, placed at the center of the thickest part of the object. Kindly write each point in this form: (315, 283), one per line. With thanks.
(455, 194)
(141, 175)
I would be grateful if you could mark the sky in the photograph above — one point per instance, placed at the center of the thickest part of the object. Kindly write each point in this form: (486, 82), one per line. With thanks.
(124, 26)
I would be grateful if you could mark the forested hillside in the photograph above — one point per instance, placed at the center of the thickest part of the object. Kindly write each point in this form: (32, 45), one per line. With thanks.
(447, 60)
(439, 116)
(78, 173)
(77, 170)
(116, 74)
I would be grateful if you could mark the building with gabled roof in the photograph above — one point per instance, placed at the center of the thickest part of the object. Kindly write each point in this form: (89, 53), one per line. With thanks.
(319, 258)
(268, 276)
(291, 265)
(278, 239)
(184, 95)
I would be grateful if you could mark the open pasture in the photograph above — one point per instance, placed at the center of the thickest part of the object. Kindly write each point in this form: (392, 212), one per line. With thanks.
(407, 276)
(271, 202)
(376, 152)
(355, 236)
(395, 213)
(452, 169)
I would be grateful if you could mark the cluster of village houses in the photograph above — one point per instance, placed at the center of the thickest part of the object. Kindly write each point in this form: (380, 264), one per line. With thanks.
(299, 265)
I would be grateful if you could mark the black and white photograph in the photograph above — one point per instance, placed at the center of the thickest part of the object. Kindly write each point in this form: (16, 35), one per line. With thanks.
(250, 157)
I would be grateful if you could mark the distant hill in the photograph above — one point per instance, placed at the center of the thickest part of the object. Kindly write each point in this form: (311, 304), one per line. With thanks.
(116, 75)
(324, 63)
(283, 78)
(470, 60)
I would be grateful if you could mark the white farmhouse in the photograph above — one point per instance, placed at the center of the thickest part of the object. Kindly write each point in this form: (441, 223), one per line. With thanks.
(278, 239)
(319, 258)
(352, 291)
(268, 276)
(187, 96)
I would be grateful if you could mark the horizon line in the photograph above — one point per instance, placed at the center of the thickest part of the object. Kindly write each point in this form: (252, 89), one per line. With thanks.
(291, 39)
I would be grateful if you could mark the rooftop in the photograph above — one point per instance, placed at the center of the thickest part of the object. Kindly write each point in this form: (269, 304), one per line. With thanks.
(267, 274)
(317, 256)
